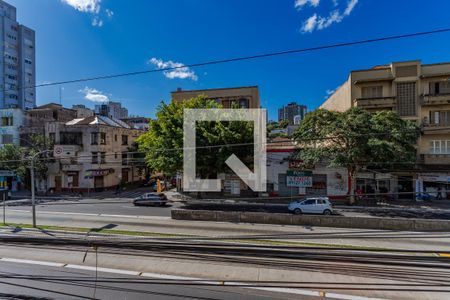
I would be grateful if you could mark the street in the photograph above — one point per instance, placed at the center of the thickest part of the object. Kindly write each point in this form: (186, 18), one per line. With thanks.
(25, 281)
(109, 206)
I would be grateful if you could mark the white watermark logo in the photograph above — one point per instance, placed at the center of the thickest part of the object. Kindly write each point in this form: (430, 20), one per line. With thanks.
(256, 180)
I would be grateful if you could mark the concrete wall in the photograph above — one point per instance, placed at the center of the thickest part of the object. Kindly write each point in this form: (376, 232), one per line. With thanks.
(340, 100)
(312, 220)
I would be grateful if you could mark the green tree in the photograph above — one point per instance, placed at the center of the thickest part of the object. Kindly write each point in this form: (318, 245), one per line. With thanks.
(356, 139)
(163, 142)
(12, 159)
(17, 158)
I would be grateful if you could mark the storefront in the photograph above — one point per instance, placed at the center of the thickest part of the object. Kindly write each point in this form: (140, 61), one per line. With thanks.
(436, 185)
(8, 180)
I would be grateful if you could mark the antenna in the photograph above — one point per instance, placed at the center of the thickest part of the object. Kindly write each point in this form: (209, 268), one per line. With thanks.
(60, 95)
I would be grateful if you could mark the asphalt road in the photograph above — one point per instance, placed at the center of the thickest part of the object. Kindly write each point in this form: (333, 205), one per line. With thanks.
(118, 206)
(25, 281)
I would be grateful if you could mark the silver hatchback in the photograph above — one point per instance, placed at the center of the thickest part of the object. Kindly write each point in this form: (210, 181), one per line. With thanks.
(319, 205)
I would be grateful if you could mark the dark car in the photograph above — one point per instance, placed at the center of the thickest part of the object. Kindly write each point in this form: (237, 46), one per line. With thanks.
(151, 199)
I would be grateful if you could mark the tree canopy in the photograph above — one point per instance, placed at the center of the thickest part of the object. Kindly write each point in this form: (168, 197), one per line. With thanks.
(163, 142)
(357, 139)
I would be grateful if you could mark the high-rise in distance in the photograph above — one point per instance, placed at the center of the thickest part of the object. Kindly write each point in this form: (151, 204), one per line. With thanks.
(18, 75)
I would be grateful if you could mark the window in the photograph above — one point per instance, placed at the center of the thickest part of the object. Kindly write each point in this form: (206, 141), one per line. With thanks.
(7, 121)
(441, 87)
(310, 202)
(102, 157)
(115, 138)
(71, 138)
(115, 155)
(124, 159)
(372, 92)
(124, 139)
(97, 137)
(440, 118)
(440, 147)
(7, 139)
(95, 157)
(406, 99)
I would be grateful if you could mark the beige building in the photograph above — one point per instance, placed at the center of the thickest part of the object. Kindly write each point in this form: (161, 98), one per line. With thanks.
(93, 153)
(244, 97)
(417, 92)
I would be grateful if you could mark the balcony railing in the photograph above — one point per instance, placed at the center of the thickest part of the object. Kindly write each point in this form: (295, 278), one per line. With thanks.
(379, 102)
(435, 159)
(435, 99)
(435, 128)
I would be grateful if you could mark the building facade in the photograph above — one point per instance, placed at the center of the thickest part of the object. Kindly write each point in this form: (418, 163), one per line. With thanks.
(12, 120)
(112, 110)
(417, 92)
(82, 111)
(93, 153)
(18, 72)
(292, 112)
(243, 97)
(141, 123)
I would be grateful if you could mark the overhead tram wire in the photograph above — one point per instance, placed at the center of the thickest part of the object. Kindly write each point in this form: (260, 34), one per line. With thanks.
(242, 58)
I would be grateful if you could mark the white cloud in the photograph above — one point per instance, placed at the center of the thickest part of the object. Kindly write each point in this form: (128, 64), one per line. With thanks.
(89, 6)
(350, 6)
(299, 4)
(109, 13)
(94, 95)
(330, 92)
(92, 7)
(310, 24)
(316, 22)
(181, 71)
(97, 22)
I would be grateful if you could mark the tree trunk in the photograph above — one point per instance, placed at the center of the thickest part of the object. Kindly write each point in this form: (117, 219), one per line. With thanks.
(351, 186)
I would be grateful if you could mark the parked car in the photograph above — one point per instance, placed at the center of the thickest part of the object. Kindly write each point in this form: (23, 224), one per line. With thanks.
(319, 205)
(151, 199)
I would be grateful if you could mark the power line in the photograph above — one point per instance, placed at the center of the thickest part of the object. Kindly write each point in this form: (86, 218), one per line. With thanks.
(242, 58)
(291, 144)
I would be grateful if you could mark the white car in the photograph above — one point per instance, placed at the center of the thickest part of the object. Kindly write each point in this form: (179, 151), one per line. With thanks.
(319, 205)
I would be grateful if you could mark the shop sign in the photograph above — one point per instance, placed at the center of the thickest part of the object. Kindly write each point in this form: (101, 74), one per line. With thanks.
(299, 178)
(7, 173)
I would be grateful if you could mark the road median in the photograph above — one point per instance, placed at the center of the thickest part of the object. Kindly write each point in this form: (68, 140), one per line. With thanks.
(312, 220)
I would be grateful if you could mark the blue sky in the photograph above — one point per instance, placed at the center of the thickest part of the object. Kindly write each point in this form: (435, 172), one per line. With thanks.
(84, 38)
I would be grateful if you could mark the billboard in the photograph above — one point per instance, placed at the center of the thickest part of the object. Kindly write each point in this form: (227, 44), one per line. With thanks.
(299, 178)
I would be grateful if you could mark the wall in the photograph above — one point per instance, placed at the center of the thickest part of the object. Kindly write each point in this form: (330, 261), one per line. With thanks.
(340, 100)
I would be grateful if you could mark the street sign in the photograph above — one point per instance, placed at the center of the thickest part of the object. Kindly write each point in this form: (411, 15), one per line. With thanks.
(64, 151)
(299, 178)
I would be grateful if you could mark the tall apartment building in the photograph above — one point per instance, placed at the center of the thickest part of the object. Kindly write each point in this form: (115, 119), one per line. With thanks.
(417, 92)
(18, 72)
(292, 112)
(112, 110)
(244, 97)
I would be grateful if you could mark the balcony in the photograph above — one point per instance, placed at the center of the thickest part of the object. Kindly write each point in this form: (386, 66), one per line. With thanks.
(435, 159)
(435, 128)
(379, 102)
(437, 99)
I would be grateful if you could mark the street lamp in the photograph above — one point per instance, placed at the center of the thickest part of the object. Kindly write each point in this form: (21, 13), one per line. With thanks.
(33, 204)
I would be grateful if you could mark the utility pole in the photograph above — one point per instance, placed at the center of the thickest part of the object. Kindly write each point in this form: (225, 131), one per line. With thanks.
(33, 202)
(4, 209)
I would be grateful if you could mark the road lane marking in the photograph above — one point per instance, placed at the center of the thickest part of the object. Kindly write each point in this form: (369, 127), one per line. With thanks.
(444, 254)
(294, 291)
(100, 269)
(96, 215)
(33, 262)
